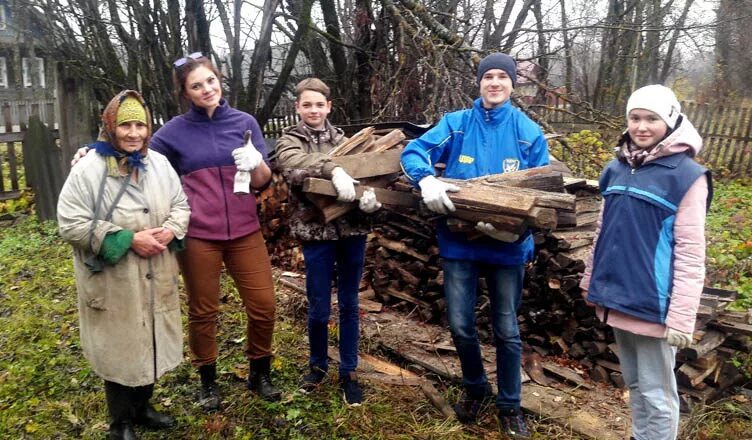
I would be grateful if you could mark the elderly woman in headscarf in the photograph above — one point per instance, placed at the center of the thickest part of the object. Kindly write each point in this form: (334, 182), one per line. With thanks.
(124, 212)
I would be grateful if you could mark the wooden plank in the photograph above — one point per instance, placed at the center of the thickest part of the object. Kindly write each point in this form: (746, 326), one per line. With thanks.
(313, 185)
(12, 137)
(370, 306)
(484, 198)
(391, 291)
(709, 342)
(363, 165)
(402, 248)
(566, 373)
(731, 327)
(509, 223)
(692, 376)
(388, 141)
(391, 380)
(356, 140)
(563, 408)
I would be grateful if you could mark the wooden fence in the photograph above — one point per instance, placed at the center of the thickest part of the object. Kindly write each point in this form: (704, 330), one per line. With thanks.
(725, 129)
(275, 124)
(16, 113)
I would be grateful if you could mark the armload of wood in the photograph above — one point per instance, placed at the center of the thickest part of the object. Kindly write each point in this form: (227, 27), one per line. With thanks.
(403, 266)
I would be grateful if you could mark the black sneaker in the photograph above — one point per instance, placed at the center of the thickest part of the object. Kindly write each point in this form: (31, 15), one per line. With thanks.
(512, 424)
(351, 391)
(312, 380)
(468, 408)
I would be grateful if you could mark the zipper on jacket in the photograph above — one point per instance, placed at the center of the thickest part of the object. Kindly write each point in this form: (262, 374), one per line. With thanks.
(224, 197)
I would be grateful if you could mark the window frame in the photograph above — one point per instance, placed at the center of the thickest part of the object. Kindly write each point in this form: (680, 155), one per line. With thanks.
(3, 73)
(25, 72)
(40, 72)
(3, 18)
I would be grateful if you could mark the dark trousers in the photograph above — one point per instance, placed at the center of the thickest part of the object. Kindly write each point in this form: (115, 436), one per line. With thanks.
(325, 259)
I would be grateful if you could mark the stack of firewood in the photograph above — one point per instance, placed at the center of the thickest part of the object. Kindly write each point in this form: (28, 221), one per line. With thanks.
(403, 266)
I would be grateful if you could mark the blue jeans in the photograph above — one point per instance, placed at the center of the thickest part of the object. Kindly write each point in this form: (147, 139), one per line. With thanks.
(648, 368)
(324, 259)
(504, 291)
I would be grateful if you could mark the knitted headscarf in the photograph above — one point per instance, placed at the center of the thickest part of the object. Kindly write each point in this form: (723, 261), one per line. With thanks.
(118, 161)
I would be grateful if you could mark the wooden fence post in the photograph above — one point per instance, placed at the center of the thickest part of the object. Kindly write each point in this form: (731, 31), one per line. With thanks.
(74, 109)
(44, 167)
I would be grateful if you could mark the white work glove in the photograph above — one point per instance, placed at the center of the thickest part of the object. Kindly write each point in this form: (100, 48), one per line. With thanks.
(78, 155)
(247, 157)
(344, 184)
(368, 202)
(434, 193)
(678, 339)
(491, 231)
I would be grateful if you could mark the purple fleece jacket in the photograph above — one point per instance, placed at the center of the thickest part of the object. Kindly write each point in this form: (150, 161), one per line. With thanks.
(200, 150)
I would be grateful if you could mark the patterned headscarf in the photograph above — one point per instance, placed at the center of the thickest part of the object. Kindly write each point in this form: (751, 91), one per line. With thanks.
(120, 163)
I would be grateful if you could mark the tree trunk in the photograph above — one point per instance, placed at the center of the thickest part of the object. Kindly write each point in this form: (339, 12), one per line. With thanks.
(304, 19)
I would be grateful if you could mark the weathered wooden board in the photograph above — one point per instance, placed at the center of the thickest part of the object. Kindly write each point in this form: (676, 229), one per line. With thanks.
(325, 187)
(363, 165)
(576, 412)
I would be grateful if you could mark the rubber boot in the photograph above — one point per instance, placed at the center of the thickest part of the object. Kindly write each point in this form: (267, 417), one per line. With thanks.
(209, 396)
(260, 381)
(120, 406)
(146, 415)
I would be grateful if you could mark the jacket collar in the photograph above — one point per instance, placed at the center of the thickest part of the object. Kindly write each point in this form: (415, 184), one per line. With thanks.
(198, 114)
(336, 133)
(493, 116)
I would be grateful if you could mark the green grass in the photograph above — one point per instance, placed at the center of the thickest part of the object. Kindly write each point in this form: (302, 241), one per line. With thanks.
(47, 389)
(729, 240)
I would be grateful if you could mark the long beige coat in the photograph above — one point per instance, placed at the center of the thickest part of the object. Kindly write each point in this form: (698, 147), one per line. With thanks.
(130, 312)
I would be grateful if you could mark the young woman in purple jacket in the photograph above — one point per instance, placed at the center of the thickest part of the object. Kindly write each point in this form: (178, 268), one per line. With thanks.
(216, 149)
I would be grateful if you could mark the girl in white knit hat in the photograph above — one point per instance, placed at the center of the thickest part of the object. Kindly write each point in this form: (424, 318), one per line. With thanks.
(647, 269)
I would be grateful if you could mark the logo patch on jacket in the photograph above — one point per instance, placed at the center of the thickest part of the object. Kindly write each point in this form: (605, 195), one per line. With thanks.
(510, 165)
(466, 159)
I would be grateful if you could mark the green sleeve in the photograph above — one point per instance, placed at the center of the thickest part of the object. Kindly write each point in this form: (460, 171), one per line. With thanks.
(115, 245)
(177, 245)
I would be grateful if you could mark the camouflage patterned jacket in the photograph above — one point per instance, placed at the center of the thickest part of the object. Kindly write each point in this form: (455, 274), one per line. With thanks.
(303, 152)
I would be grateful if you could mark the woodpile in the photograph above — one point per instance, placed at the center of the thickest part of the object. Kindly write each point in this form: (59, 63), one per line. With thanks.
(403, 267)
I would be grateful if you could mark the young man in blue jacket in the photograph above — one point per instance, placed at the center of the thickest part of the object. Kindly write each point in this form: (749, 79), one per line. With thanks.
(491, 137)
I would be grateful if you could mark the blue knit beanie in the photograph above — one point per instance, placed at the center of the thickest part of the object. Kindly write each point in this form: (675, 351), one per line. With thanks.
(498, 61)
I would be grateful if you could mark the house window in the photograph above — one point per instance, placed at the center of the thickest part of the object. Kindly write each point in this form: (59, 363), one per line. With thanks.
(3, 73)
(3, 18)
(26, 72)
(40, 72)
(33, 77)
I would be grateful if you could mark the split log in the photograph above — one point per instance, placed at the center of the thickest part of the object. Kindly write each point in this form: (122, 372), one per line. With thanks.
(691, 376)
(356, 140)
(386, 142)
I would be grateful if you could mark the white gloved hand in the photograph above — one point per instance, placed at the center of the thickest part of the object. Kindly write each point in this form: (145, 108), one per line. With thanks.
(434, 193)
(678, 338)
(491, 231)
(368, 202)
(344, 184)
(78, 155)
(247, 157)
